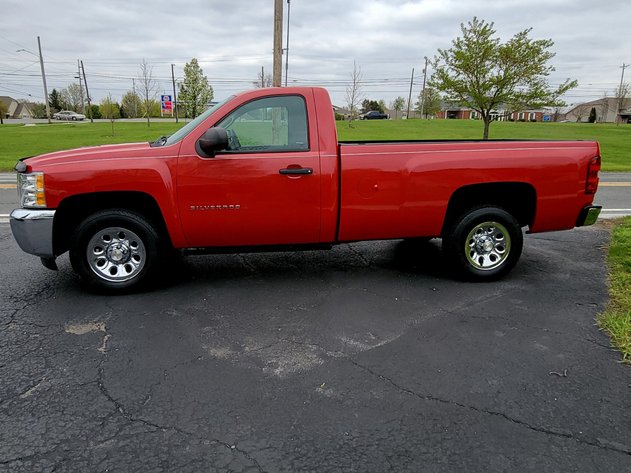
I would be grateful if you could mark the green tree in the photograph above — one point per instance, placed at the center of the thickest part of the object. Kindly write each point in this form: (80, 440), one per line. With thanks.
(55, 101)
(4, 109)
(110, 110)
(397, 105)
(195, 91)
(429, 102)
(131, 103)
(39, 110)
(480, 72)
(152, 108)
(369, 105)
(96, 111)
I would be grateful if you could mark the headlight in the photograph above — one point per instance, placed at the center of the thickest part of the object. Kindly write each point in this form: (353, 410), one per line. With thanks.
(31, 190)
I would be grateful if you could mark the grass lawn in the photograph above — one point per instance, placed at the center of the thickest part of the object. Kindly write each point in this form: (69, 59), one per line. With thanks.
(616, 320)
(17, 141)
(615, 141)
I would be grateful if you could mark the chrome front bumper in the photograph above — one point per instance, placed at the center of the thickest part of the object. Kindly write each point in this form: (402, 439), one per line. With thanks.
(33, 230)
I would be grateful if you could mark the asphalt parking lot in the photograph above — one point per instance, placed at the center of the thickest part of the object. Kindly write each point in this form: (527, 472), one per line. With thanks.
(366, 358)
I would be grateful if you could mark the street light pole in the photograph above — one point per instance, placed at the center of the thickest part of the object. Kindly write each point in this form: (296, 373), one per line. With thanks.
(41, 63)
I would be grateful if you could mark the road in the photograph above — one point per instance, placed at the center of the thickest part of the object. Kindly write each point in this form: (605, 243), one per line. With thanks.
(614, 194)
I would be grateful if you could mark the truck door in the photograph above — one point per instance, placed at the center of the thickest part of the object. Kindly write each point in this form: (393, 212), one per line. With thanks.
(264, 189)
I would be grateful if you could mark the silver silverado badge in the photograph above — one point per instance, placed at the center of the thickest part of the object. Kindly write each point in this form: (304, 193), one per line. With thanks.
(216, 207)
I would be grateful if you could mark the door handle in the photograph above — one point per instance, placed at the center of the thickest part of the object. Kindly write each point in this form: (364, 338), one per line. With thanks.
(296, 171)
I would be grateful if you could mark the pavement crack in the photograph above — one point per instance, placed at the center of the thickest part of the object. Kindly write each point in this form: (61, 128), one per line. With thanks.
(598, 443)
(249, 266)
(359, 255)
(123, 411)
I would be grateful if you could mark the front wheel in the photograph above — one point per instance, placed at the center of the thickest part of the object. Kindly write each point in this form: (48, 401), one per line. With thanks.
(483, 244)
(115, 250)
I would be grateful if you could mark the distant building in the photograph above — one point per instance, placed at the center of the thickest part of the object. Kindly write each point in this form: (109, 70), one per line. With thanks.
(457, 113)
(451, 112)
(606, 110)
(344, 112)
(17, 109)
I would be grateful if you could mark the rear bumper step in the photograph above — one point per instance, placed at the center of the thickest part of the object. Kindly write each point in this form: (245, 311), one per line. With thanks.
(588, 215)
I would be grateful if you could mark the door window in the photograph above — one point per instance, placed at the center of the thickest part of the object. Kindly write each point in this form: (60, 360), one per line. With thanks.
(271, 124)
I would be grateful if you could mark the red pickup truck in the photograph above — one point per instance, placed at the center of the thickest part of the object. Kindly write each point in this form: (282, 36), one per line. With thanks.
(263, 170)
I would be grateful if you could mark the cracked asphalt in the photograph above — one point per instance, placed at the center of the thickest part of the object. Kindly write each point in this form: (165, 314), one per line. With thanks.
(366, 358)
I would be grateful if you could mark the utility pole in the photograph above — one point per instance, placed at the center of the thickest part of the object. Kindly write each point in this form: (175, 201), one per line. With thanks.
(287, 42)
(262, 77)
(41, 63)
(410, 96)
(278, 43)
(87, 93)
(174, 97)
(423, 91)
(620, 93)
(80, 87)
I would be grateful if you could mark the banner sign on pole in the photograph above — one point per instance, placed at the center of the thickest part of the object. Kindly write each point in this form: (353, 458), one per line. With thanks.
(167, 103)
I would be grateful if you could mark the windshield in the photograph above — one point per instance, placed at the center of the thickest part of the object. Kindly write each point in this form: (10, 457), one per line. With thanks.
(186, 129)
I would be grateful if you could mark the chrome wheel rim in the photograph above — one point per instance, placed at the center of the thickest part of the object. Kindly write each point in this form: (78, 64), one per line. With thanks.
(487, 246)
(116, 254)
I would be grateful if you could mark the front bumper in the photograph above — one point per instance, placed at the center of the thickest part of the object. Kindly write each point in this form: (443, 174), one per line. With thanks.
(588, 215)
(33, 230)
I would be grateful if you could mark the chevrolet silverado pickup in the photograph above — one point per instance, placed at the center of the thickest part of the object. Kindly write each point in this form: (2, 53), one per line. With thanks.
(264, 170)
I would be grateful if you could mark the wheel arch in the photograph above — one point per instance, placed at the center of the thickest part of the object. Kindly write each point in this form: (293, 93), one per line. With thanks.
(74, 209)
(517, 198)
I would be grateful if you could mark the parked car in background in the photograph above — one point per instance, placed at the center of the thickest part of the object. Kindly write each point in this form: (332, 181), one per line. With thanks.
(374, 115)
(68, 115)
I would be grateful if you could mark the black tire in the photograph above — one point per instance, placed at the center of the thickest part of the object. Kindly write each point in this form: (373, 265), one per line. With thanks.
(483, 244)
(116, 251)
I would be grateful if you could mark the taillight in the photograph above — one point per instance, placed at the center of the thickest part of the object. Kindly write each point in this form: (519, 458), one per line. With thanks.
(592, 175)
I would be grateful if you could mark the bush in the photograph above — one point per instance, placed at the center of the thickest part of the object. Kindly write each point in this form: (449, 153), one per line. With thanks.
(96, 112)
(339, 117)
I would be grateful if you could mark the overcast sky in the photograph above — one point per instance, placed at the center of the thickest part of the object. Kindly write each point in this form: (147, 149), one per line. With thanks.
(233, 40)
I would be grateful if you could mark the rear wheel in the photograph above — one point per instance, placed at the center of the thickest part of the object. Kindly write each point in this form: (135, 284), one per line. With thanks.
(115, 250)
(484, 243)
